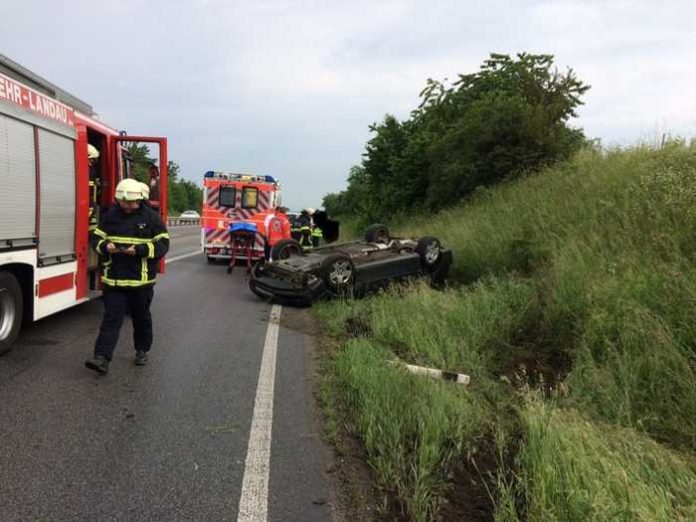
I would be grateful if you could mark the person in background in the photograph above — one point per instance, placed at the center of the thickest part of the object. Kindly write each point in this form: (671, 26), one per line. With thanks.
(153, 181)
(304, 226)
(132, 239)
(277, 227)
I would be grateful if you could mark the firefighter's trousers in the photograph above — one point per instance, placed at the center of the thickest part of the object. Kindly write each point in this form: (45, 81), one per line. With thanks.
(118, 301)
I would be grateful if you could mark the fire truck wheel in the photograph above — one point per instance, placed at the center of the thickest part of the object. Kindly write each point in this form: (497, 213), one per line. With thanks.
(429, 249)
(11, 308)
(286, 248)
(377, 234)
(338, 271)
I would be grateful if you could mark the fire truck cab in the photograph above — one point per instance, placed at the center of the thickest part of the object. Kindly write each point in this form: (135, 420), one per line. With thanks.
(50, 192)
(230, 198)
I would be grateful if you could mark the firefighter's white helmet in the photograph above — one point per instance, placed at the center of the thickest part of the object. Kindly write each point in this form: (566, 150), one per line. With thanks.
(309, 210)
(92, 152)
(146, 190)
(129, 189)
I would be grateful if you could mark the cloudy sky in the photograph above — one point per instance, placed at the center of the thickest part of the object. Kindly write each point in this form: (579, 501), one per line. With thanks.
(288, 88)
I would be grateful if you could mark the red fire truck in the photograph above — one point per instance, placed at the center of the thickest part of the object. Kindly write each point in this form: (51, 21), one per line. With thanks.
(48, 190)
(230, 198)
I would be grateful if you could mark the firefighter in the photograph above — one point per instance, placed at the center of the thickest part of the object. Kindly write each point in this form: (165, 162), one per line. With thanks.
(303, 225)
(153, 181)
(131, 239)
(93, 159)
(146, 193)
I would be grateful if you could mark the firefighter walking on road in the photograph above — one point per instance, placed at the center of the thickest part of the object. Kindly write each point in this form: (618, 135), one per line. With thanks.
(130, 239)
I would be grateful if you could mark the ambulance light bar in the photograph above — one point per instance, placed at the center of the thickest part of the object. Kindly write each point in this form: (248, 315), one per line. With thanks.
(234, 176)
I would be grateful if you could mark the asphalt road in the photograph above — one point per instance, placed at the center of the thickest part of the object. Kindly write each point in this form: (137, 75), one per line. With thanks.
(167, 441)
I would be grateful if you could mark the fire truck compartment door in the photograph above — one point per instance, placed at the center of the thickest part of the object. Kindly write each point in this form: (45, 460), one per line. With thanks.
(18, 177)
(57, 175)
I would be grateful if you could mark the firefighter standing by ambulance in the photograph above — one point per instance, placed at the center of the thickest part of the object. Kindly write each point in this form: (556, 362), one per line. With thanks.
(131, 239)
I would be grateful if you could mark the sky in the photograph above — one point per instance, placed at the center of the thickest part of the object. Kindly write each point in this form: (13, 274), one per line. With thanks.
(289, 88)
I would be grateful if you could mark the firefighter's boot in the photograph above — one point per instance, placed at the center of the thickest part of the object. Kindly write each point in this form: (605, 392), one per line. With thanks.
(99, 364)
(141, 357)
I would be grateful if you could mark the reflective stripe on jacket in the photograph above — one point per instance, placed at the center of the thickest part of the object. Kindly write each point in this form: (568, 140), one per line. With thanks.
(144, 230)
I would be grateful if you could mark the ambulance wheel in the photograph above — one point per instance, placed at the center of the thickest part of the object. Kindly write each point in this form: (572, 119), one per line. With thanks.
(429, 250)
(338, 272)
(11, 310)
(286, 248)
(377, 234)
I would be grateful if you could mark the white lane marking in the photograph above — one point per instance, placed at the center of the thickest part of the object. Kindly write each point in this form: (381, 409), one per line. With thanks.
(253, 504)
(183, 256)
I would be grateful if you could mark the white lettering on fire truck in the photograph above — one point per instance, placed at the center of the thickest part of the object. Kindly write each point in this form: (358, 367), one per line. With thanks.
(29, 99)
(10, 91)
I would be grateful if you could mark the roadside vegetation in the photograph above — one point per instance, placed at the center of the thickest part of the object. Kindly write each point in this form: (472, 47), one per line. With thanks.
(182, 194)
(571, 305)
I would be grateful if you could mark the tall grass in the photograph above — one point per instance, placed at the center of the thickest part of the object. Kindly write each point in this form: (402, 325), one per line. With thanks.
(577, 470)
(593, 261)
(412, 429)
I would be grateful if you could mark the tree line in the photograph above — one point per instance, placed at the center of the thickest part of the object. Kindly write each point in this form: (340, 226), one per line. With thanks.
(181, 194)
(508, 118)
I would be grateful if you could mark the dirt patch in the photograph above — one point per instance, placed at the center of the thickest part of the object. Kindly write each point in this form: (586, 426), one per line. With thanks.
(300, 320)
(358, 327)
(472, 484)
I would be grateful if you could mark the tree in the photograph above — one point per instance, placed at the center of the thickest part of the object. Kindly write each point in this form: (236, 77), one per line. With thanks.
(181, 194)
(509, 117)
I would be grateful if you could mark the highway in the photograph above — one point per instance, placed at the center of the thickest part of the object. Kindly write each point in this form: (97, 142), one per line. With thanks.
(171, 440)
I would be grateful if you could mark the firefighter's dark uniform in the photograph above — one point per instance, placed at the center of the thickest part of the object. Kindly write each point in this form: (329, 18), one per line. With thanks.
(303, 225)
(128, 280)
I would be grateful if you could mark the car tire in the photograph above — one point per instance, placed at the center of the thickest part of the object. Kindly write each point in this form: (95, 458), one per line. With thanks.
(286, 248)
(377, 234)
(11, 310)
(428, 248)
(255, 272)
(338, 272)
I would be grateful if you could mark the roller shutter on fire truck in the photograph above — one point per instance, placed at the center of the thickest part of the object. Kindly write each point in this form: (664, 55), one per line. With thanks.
(57, 201)
(18, 176)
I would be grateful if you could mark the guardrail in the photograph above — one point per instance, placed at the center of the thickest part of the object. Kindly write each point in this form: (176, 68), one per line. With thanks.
(175, 221)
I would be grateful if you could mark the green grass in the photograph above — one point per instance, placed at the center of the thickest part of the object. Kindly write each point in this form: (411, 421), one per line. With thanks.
(586, 271)
(573, 469)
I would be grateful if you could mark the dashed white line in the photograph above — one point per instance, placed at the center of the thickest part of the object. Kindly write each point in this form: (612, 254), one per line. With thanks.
(253, 504)
(183, 256)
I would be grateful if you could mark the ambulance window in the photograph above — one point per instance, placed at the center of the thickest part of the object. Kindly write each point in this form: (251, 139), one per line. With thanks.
(228, 196)
(250, 197)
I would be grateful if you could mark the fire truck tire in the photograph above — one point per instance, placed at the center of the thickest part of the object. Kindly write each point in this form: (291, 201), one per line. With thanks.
(286, 248)
(377, 234)
(430, 252)
(11, 310)
(338, 272)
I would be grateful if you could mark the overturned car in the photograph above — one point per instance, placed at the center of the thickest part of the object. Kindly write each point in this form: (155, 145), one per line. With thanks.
(299, 278)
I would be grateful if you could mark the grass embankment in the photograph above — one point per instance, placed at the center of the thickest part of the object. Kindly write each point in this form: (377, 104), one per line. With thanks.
(573, 309)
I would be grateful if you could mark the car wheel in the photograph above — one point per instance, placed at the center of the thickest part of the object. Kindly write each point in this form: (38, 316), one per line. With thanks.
(377, 234)
(338, 271)
(286, 248)
(429, 250)
(256, 271)
(11, 310)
